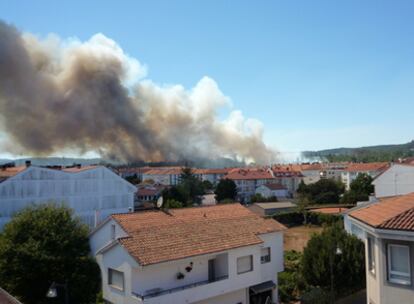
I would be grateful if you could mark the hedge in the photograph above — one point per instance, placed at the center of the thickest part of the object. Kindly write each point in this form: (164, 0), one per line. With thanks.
(294, 218)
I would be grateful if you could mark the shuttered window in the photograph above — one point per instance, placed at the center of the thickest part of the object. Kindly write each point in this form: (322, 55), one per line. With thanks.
(244, 264)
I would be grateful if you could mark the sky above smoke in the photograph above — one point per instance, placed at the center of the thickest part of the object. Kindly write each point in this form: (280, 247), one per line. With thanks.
(64, 94)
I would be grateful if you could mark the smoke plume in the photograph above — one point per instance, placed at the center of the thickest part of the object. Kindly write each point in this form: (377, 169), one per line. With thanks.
(58, 95)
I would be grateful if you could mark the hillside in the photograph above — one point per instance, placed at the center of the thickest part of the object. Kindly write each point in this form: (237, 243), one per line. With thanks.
(364, 154)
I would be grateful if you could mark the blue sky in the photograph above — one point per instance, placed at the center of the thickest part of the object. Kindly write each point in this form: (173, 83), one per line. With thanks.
(318, 74)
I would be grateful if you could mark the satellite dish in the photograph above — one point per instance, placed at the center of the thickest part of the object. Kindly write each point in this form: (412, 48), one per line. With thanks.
(159, 202)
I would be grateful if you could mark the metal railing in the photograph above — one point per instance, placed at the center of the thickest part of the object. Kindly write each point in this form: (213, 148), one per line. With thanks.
(176, 289)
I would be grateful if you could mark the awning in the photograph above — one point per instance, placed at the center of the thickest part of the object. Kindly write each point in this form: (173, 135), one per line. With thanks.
(259, 288)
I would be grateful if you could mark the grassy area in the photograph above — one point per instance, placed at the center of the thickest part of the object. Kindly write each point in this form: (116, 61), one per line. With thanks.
(296, 238)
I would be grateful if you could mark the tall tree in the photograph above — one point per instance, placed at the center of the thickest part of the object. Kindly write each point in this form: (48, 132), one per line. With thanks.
(45, 244)
(331, 254)
(360, 189)
(226, 189)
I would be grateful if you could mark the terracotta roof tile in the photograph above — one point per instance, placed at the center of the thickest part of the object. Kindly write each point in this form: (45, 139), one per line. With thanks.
(393, 213)
(155, 236)
(249, 174)
(361, 167)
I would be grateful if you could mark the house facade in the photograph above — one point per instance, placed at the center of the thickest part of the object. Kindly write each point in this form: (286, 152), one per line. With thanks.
(191, 255)
(398, 179)
(93, 192)
(248, 179)
(354, 169)
(273, 190)
(387, 229)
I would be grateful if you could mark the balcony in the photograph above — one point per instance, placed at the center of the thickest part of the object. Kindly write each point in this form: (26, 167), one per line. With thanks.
(160, 292)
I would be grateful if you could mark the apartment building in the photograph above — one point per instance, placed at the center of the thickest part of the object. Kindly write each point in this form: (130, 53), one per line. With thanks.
(354, 169)
(387, 229)
(93, 192)
(217, 254)
(248, 179)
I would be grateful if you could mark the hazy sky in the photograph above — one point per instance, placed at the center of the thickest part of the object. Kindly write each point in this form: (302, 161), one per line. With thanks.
(318, 74)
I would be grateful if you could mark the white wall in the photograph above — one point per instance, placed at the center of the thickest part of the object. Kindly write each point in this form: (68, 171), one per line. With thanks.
(397, 180)
(163, 275)
(84, 191)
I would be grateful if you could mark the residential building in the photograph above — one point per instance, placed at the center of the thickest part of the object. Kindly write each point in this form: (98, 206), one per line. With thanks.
(311, 172)
(93, 192)
(290, 180)
(168, 176)
(148, 192)
(273, 190)
(387, 229)
(333, 171)
(354, 169)
(131, 171)
(213, 175)
(217, 254)
(398, 179)
(248, 179)
(270, 208)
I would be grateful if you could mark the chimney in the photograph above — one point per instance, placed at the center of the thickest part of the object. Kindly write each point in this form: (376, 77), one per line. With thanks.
(78, 166)
(28, 163)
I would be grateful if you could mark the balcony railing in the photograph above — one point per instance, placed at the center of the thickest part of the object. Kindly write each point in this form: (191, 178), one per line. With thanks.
(161, 292)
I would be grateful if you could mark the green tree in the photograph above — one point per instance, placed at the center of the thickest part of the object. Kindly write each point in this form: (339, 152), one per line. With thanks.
(133, 179)
(170, 203)
(324, 191)
(190, 186)
(290, 280)
(207, 186)
(360, 189)
(45, 244)
(302, 205)
(226, 189)
(331, 254)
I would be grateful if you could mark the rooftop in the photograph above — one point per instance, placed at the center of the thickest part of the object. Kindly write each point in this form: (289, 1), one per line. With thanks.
(249, 174)
(396, 213)
(361, 167)
(157, 236)
(276, 205)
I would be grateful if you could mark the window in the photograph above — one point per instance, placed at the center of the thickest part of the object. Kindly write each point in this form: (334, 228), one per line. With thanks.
(116, 278)
(265, 256)
(113, 232)
(399, 264)
(244, 264)
(371, 254)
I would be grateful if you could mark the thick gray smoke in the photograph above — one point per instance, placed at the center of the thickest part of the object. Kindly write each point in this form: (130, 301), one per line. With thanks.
(90, 96)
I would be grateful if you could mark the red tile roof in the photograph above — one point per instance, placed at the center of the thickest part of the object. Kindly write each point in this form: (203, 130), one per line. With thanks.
(393, 213)
(11, 171)
(155, 236)
(249, 174)
(364, 167)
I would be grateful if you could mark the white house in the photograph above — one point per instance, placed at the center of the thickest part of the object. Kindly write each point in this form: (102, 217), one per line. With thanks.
(270, 190)
(396, 180)
(217, 254)
(387, 229)
(93, 192)
(354, 169)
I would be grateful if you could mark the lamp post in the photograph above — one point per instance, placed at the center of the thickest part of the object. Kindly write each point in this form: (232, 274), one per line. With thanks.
(336, 251)
(52, 292)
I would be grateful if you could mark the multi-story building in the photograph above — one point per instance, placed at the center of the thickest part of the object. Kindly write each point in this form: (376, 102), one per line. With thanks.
(387, 229)
(213, 175)
(354, 169)
(93, 192)
(218, 254)
(248, 179)
(168, 176)
(398, 179)
(273, 190)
